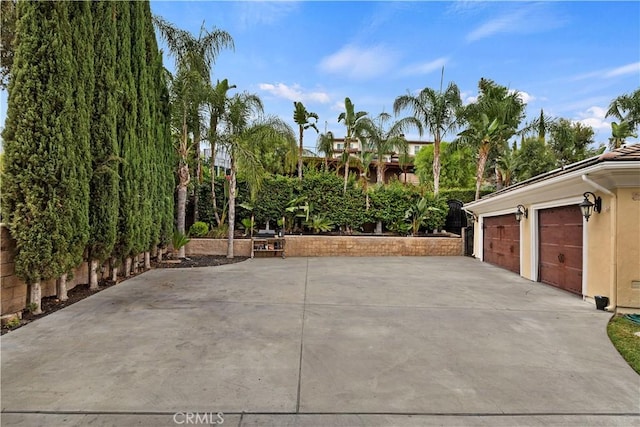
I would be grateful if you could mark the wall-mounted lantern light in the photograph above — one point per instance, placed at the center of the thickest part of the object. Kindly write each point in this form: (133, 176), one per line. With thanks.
(521, 212)
(587, 207)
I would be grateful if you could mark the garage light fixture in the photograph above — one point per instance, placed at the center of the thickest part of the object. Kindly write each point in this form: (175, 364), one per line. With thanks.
(587, 207)
(521, 212)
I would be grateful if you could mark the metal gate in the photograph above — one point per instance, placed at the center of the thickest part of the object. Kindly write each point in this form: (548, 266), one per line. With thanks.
(468, 241)
(456, 217)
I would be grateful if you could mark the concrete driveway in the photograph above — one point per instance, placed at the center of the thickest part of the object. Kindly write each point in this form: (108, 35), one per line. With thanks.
(321, 341)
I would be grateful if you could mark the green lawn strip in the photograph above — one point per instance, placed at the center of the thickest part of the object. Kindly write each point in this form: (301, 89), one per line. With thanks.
(621, 332)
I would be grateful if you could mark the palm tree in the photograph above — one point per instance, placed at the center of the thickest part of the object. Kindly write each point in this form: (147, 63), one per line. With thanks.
(324, 145)
(506, 167)
(491, 121)
(355, 126)
(216, 101)
(626, 108)
(385, 139)
(437, 112)
(194, 61)
(184, 92)
(245, 126)
(619, 133)
(302, 118)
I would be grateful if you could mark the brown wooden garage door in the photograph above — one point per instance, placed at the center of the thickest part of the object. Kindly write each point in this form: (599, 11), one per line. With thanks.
(560, 232)
(501, 244)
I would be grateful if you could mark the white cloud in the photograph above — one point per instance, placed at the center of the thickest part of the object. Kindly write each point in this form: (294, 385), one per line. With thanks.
(594, 117)
(633, 68)
(625, 69)
(294, 93)
(425, 67)
(502, 24)
(256, 12)
(338, 106)
(524, 96)
(468, 98)
(534, 18)
(360, 62)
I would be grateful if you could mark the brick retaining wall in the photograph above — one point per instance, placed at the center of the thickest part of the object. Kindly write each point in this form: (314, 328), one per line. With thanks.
(309, 246)
(13, 291)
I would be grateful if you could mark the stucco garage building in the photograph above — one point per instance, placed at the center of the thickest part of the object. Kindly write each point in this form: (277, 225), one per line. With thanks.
(554, 243)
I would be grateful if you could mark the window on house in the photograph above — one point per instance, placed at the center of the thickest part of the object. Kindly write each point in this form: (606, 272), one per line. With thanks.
(354, 145)
(416, 148)
(339, 146)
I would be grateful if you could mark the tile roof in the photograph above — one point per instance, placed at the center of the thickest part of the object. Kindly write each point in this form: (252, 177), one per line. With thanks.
(628, 153)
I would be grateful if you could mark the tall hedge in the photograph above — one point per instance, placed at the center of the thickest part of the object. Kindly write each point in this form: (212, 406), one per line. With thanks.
(126, 126)
(78, 165)
(44, 175)
(140, 161)
(104, 185)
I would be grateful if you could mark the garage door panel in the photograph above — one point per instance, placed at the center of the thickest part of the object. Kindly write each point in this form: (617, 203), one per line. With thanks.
(560, 238)
(501, 243)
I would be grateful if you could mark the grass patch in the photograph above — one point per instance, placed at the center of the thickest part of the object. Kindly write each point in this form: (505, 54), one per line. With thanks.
(621, 332)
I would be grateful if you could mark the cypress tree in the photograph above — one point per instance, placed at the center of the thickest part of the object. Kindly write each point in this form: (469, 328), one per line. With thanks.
(160, 171)
(104, 186)
(126, 128)
(78, 159)
(143, 168)
(41, 187)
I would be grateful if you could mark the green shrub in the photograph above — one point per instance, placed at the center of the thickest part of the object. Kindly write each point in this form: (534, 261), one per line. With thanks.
(199, 229)
(319, 224)
(389, 203)
(179, 240)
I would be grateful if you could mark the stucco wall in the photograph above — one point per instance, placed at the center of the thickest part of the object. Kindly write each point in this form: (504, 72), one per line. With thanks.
(599, 250)
(525, 245)
(304, 246)
(628, 247)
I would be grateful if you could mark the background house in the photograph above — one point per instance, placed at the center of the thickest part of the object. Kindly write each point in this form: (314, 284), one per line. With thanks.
(393, 165)
(554, 243)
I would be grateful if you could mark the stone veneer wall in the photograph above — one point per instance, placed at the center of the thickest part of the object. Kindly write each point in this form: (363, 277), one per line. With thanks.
(311, 246)
(13, 291)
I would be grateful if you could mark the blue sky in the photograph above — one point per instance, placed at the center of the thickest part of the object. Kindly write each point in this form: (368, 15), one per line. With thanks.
(569, 58)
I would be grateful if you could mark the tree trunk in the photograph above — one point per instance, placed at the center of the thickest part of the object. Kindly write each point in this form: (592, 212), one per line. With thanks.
(499, 179)
(159, 256)
(213, 183)
(93, 274)
(436, 166)
(232, 208)
(346, 174)
(61, 292)
(127, 267)
(35, 297)
(135, 264)
(114, 270)
(300, 155)
(147, 260)
(482, 161)
(380, 171)
(378, 227)
(182, 205)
